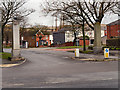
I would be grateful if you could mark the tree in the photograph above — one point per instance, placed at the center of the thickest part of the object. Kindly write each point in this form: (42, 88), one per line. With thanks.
(89, 12)
(23, 25)
(11, 9)
(66, 10)
(8, 34)
(44, 29)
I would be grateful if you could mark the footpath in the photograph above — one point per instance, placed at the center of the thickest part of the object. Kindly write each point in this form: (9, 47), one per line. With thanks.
(113, 55)
(7, 63)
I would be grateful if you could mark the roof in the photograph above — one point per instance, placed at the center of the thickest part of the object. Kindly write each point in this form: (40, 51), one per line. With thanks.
(117, 22)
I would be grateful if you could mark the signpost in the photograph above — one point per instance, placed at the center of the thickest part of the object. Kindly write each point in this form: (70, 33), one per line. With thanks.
(106, 52)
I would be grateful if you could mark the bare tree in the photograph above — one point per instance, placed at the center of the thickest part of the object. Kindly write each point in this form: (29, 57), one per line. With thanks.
(13, 8)
(69, 15)
(80, 12)
(23, 25)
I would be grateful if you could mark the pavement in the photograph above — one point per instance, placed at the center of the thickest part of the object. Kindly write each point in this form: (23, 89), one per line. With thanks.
(5, 63)
(56, 69)
(114, 55)
(8, 63)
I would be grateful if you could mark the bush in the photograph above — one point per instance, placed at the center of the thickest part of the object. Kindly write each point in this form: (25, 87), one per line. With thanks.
(111, 47)
(90, 47)
(113, 42)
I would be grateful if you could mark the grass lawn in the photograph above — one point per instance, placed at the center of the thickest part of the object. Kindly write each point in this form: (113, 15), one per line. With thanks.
(86, 52)
(5, 55)
(70, 47)
(7, 47)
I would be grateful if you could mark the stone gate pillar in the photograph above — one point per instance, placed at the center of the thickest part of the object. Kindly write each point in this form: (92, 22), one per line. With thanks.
(16, 39)
(97, 38)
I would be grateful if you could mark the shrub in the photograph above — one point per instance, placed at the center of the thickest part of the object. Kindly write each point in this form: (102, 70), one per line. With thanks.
(90, 47)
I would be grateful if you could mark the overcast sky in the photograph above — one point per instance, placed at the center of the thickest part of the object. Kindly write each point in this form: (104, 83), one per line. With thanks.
(38, 17)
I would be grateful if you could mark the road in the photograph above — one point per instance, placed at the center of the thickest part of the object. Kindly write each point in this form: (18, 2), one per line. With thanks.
(55, 69)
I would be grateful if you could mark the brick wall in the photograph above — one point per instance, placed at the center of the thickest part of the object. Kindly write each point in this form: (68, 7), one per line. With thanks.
(112, 31)
(81, 42)
(30, 40)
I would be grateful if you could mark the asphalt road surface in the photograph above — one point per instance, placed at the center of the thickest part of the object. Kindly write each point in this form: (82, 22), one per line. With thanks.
(55, 69)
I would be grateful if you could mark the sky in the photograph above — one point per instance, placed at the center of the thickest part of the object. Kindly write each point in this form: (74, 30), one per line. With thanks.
(38, 17)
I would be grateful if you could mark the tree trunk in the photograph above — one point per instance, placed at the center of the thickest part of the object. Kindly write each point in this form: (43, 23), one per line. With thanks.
(2, 37)
(84, 44)
(97, 38)
(7, 40)
(74, 42)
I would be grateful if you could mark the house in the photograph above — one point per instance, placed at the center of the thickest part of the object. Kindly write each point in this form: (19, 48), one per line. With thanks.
(63, 35)
(36, 39)
(43, 40)
(28, 36)
(113, 29)
(66, 34)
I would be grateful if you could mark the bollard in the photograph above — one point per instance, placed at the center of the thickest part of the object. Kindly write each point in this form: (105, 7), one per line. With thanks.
(26, 44)
(77, 53)
(106, 52)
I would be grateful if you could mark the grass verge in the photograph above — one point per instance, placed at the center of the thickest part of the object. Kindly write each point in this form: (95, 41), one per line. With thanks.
(70, 47)
(85, 52)
(5, 55)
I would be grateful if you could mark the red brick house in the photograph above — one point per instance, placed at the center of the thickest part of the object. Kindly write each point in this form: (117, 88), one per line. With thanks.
(36, 39)
(43, 40)
(113, 29)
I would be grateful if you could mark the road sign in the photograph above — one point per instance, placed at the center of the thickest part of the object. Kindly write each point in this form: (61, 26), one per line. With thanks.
(106, 52)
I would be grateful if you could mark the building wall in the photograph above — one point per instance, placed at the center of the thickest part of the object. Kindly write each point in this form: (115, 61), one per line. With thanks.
(81, 42)
(58, 37)
(104, 40)
(51, 39)
(113, 31)
(31, 41)
(69, 36)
